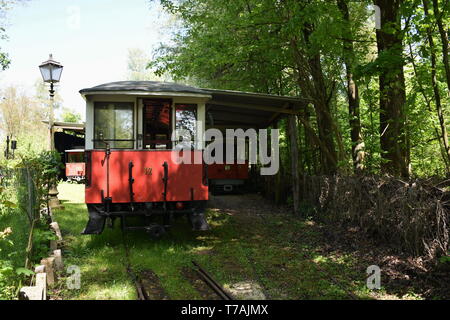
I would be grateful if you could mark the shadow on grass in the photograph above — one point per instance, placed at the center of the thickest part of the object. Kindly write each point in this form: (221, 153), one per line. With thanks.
(280, 252)
(102, 261)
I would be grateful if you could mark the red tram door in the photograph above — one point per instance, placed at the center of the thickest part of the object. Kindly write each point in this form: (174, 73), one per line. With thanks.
(157, 124)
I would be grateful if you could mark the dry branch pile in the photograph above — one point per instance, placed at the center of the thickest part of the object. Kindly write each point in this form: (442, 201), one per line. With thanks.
(412, 216)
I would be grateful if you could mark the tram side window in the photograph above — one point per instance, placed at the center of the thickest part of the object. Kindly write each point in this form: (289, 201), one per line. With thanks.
(186, 120)
(75, 157)
(113, 122)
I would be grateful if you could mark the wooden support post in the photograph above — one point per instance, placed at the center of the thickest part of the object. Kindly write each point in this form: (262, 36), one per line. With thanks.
(59, 265)
(277, 179)
(49, 264)
(293, 138)
(55, 227)
(41, 282)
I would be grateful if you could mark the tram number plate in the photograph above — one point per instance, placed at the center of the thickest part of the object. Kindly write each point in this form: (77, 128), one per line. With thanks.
(148, 171)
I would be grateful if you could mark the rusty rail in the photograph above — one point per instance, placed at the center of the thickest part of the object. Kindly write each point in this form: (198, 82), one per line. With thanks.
(213, 284)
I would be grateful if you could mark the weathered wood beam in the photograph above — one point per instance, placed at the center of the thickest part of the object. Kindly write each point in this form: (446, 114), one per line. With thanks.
(243, 118)
(252, 107)
(276, 115)
(232, 126)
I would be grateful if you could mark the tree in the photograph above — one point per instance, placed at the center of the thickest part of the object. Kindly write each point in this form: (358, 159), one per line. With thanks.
(5, 5)
(392, 89)
(434, 82)
(358, 153)
(21, 117)
(359, 82)
(70, 116)
(138, 70)
(4, 58)
(270, 47)
(439, 16)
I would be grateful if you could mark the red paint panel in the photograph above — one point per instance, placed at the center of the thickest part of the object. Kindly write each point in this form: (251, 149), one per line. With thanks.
(228, 171)
(75, 169)
(147, 187)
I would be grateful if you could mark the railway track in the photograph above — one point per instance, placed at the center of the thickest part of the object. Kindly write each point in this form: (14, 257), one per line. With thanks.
(213, 284)
(141, 288)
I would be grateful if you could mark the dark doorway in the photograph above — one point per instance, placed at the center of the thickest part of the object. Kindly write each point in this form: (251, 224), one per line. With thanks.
(157, 124)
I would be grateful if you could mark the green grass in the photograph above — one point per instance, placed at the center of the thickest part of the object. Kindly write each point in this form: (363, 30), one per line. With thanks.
(20, 226)
(280, 252)
(101, 258)
(13, 246)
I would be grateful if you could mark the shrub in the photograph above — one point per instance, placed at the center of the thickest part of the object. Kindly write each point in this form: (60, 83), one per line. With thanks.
(413, 216)
(24, 186)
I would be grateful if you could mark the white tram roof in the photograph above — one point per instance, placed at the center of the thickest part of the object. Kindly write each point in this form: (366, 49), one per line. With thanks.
(228, 108)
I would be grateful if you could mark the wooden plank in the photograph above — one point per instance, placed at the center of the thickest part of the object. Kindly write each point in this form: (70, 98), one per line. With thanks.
(276, 115)
(251, 106)
(41, 282)
(49, 264)
(236, 117)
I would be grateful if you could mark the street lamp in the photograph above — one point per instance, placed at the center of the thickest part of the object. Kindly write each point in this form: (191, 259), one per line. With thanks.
(51, 73)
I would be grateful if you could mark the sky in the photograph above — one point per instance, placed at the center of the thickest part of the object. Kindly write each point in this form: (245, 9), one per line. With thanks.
(90, 38)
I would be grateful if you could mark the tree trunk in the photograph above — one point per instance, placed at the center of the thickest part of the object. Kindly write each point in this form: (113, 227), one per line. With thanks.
(358, 153)
(319, 93)
(293, 138)
(444, 38)
(437, 95)
(428, 102)
(392, 90)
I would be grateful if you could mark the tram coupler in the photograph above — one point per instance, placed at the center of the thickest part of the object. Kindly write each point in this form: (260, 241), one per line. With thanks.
(198, 221)
(96, 222)
(155, 231)
(107, 202)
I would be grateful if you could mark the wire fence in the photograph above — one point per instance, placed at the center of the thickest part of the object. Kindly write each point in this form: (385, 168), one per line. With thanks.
(22, 195)
(20, 187)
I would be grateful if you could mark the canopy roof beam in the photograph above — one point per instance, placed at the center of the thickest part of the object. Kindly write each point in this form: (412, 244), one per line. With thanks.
(252, 107)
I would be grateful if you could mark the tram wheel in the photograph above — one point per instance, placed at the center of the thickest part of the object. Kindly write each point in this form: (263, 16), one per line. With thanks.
(156, 231)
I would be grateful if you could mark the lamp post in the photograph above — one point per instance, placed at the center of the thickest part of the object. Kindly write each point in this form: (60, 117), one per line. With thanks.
(7, 148)
(51, 73)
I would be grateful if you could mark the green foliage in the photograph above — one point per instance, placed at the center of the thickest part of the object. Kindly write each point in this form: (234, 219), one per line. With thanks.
(44, 169)
(261, 46)
(6, 280)
(41, 238)
(23, 192)
(5, 5)
(445, 259)
(7, 273)
(70, 116)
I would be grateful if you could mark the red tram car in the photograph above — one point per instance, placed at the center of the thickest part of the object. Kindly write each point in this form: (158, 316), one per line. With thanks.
(129, 167)
(227, 178)
(75, 166)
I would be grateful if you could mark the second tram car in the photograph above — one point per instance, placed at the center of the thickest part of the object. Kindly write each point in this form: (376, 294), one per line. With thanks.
(75, 166)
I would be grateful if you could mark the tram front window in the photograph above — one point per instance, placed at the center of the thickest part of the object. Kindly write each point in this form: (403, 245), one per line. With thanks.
(113, 122)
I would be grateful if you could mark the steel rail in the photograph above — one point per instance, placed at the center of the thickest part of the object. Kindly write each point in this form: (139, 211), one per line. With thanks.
(213, 284)
(142, 295)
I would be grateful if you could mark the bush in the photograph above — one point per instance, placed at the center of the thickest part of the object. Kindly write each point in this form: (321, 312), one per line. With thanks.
(413, 216)
(24, 187)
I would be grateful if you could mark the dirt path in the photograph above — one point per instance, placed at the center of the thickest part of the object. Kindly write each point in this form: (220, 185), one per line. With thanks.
(337, 256)
(268, 231)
